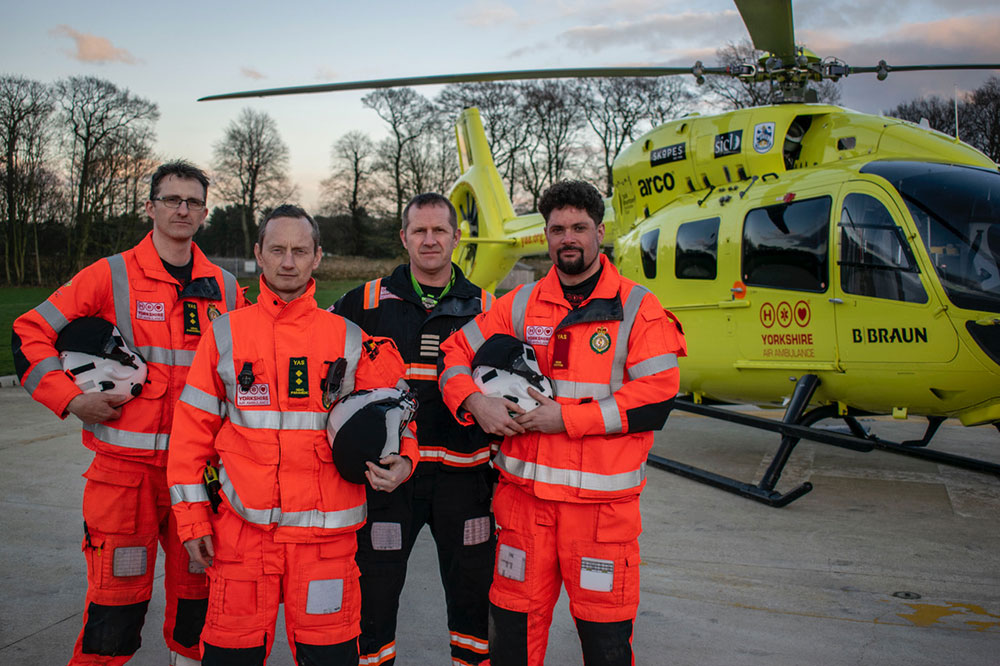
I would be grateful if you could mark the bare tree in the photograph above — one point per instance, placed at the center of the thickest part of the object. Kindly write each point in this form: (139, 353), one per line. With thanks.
(251, 165)
(981, 127)
(739, 93)
(408, 115)
(555, 119)
(97, 117)
(939, 113)
(351, 185)
(25, 120)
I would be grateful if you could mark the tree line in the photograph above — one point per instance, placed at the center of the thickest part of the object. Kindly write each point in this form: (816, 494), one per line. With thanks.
(77, 155)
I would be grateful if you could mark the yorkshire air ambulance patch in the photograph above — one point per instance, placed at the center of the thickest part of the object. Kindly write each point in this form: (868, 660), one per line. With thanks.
(600, 341)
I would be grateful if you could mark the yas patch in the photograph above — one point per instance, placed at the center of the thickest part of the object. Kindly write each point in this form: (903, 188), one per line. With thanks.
(298, 377)
(192, 324)
(148, 311)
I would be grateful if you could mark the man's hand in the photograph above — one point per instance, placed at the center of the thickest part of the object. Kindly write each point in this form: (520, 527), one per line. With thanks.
(94, 408)
(493, 414)
(201, 550)
(547, 417)
(387, 480)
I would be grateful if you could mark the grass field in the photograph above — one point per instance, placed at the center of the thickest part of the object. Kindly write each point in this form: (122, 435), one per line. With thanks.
(15, 301)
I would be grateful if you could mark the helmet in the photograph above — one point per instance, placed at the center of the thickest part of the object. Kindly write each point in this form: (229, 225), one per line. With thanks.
(367, 426)
(94, 354)
(504, 367)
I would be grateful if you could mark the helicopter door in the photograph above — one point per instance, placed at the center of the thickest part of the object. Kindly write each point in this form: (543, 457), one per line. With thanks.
(884, 311)
(785, 265)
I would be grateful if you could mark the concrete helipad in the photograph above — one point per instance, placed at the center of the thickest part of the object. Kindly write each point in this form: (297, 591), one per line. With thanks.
(889, 560)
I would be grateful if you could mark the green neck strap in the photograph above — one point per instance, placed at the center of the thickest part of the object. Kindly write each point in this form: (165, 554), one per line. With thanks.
(430, 302)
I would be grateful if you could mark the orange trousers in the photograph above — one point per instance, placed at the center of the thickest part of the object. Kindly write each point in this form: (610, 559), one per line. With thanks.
(592, 549)
(126, 511)
(252, 574)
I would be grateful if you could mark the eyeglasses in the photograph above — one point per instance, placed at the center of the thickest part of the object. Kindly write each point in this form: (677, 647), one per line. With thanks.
(193, 205)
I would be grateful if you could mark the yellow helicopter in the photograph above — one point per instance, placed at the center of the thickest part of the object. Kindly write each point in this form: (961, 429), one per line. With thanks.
(832, 262)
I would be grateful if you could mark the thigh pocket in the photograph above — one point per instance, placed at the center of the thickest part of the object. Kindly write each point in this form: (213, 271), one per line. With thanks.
(327, 591)
(111, 500)
(605, 571)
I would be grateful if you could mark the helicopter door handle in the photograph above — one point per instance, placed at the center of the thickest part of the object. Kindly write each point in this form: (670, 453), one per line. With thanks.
(837, 301)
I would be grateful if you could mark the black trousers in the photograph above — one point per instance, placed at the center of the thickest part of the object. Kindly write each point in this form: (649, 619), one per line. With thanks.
(456, 506)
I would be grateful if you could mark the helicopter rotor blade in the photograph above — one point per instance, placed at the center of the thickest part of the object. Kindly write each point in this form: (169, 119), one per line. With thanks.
(769, 23)
(883, 68)
(516, 75)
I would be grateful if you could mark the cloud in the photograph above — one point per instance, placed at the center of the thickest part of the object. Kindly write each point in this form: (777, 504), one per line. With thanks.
(324, 73)
(251, 73)
(92, 48)
(484, 14)
(658, 31)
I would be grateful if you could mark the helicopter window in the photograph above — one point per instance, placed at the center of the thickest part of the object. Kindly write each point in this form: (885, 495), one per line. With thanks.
(647, 249)
(697, 250)
(875, 259)
(956, 210)
(785, 245)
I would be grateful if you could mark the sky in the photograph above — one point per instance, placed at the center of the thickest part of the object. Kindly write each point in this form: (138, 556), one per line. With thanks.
(174, 54)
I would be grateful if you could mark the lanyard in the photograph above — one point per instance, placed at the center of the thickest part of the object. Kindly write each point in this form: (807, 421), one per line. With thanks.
(430, 302)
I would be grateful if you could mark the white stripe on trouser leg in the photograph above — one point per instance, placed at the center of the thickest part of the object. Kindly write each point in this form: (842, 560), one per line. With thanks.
(325, 596)
(511, 562)
(382, 656)
(597, 575)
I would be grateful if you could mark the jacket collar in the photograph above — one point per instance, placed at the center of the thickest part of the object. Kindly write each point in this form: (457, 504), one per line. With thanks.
(274, 306)
(399, 283)
(608, 285)
(152, 265)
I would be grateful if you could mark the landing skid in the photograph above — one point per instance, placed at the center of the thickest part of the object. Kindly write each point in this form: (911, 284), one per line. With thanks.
(796, 425)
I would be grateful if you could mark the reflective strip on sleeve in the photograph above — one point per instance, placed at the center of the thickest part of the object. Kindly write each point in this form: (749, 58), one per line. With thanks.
(487, 300)
(453, 459)
(52, 315)
(231, 286)
(578, 390)
(122, 298)
(451, 372)
(572, 478)
(653, 365)
(425, 371)
(222, 331)
(190, 492)
(473, 335)
(149, 441)
(206, 402)
(164, 356)
(612, 418)
(42, 368)
(320, 519)
(519, 307)
(265, 419)
(373, 289)
(630, 310)
(353, 336)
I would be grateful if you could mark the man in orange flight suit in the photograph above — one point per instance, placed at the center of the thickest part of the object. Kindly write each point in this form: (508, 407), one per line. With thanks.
(256, 404)
(571, 470)
(161, 295)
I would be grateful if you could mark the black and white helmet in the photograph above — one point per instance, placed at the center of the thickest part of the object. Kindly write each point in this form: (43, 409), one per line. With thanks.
(504, 367)
(368, 425)
(97, 358)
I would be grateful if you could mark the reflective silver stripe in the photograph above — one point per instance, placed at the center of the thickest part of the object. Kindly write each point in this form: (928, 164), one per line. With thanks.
(518, 308)
(265, 419)
(473, 335)
(224, 345)
(451, 372)
(352, 352)
(631, 309)
(122, 297)
(609, 412)
(52, 315)
(164, 356)
(374, 289)
(487, 300)
(577, 390)
(469, 642)
(150, 441)
(203, 401)
(379, 657)
(231, 287)
(572, 478)
(42, 368)
(459, 459)
(192, 492)
(653, 365)
(314, 518)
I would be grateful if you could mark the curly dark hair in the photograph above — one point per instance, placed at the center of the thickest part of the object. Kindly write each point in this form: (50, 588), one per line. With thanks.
(574, 193)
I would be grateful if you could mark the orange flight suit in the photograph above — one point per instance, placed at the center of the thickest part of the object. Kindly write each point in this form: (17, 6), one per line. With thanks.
(286, 526)
(567, 506)
(126, 506)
